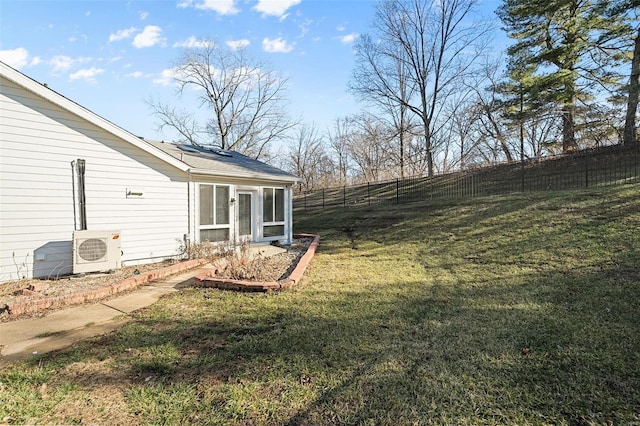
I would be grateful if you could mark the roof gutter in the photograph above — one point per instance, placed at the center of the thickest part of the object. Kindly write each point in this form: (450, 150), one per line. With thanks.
(246, 176)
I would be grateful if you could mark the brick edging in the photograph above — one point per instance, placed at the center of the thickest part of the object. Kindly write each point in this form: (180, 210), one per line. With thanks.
(207, 279)
(32, 306)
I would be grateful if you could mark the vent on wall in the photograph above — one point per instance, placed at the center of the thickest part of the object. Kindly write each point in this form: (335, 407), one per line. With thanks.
(95, 251)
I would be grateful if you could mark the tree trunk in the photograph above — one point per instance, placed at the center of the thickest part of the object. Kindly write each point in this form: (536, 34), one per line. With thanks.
(499, 135)
(634, 90)
(428, 147)
(568, 138)
(568, 119)
(402, 154)
(462, 154)
(403, 126)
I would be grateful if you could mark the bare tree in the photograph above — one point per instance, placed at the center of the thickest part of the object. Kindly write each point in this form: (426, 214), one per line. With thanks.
(487, 110)
(245, 99)
(307, 158)
(400, 117)
(600, 124)
(368, 146)
(401, 131)
(458, 137)
(424, 46)
(338, 142)
(177, 119)
(416, 156)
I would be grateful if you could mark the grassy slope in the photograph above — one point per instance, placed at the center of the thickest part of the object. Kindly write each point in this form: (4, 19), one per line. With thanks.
(509, 310)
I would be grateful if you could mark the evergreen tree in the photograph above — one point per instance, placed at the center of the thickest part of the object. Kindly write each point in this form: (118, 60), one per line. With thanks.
(619, 45)
(630, 134)
(627, 33)
(522, 97)
(558, 39)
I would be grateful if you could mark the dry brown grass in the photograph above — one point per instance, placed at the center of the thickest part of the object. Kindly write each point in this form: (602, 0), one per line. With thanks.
(500, 310)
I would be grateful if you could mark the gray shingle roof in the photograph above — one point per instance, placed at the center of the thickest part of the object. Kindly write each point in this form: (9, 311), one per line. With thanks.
(212, 161)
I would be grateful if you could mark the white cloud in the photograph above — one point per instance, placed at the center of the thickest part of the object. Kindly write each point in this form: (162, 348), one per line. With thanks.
(340, 28)
(277, 45)
(35, 61)
(193, 42)
(275, 7)
(150, 36)
(222, 7)
(238, 44)
(304, 27)
(349, 38)
(143, 15)
(122, 34)
(61, 63)
(135, 74)
(166, 77)
(87, 74)
(16, 58)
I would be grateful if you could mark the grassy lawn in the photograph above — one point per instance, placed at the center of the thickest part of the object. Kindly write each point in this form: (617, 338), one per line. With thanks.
(509, 310)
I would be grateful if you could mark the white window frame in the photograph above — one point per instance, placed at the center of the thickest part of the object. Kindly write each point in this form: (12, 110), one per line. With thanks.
(230, 213)
(274, 222)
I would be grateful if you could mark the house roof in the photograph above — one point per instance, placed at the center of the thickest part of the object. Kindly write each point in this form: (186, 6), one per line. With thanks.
(232, 165)
(217, 162)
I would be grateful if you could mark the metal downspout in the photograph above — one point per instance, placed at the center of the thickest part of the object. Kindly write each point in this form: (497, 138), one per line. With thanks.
(79, 168)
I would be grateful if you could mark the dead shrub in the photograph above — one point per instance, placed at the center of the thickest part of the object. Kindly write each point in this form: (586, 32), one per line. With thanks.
(208, 250)
(239, 263)
(242, 265)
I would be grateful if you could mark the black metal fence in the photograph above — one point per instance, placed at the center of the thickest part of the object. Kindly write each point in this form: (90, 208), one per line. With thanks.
(613, 165)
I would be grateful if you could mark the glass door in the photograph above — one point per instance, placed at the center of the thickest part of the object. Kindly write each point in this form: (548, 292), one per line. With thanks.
(245, 215)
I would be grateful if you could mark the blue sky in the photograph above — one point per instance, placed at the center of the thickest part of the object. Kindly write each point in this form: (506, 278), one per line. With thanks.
(111, 55)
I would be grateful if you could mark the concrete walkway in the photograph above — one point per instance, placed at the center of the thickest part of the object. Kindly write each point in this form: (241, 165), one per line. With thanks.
(27, 337)
(23, 338)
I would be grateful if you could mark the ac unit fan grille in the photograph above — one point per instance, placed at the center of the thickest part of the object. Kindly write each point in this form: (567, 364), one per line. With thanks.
(92, 249)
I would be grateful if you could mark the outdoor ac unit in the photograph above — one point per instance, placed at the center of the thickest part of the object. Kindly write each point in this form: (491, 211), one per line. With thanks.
(95, 251)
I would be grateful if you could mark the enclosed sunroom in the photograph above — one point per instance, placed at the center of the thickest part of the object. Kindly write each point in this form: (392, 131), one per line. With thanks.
(253, 204)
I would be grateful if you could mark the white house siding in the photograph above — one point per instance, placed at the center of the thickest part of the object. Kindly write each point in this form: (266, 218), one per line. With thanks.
(38, 142)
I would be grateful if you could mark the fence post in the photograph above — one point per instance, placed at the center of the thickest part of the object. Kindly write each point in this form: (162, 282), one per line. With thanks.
(322, 198)
(368, 194)
(344, 196)
(397, 191)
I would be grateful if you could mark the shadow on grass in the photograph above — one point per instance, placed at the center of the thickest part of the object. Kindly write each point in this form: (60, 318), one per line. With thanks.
(528, 348)
(486, 329)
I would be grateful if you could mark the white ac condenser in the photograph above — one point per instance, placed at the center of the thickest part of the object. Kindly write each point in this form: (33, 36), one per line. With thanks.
(96, 251)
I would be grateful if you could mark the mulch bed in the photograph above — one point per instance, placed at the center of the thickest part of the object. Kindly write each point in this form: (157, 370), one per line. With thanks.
(218, 278)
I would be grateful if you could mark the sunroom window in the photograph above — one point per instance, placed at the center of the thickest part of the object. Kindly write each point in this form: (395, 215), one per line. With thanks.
(273, 212)
(214, 213)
